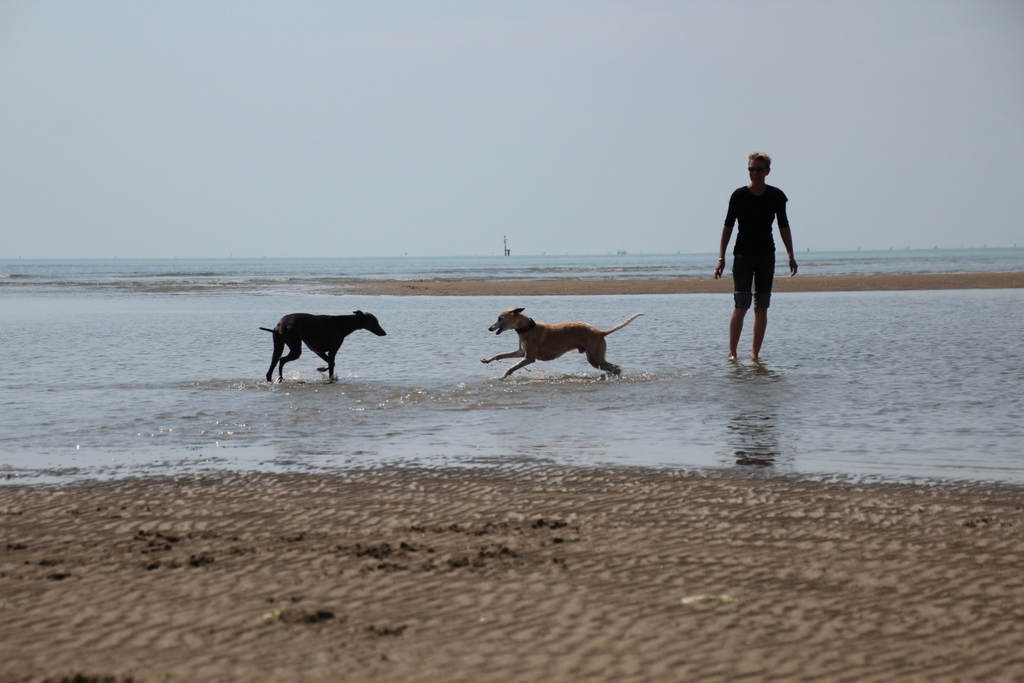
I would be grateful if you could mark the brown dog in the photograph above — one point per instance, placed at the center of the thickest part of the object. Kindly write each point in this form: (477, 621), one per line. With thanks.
(541, 341)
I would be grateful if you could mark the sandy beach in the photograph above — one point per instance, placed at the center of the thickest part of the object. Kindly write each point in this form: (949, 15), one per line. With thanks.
(580, 575)
(574, 287)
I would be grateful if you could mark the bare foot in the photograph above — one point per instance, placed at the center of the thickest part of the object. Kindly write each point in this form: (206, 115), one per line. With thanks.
(732, 356)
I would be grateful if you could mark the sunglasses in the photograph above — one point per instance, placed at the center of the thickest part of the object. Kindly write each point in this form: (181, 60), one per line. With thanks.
(759, 169)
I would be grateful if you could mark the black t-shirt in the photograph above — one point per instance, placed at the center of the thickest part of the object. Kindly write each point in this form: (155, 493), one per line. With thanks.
(756, 215)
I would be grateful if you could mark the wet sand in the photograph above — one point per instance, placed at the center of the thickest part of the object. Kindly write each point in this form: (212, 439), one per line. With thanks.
(582, 575)
(570, 287)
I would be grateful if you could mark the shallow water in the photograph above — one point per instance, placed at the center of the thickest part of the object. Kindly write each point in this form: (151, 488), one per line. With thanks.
(874, 385)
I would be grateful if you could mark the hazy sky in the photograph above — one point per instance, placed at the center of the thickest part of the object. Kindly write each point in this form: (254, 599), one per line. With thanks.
(189, 129)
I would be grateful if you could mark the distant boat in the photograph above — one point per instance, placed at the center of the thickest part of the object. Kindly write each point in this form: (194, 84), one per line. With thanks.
(620, 252)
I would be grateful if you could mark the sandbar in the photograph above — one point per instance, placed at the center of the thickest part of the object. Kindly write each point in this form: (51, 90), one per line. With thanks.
(578, 287)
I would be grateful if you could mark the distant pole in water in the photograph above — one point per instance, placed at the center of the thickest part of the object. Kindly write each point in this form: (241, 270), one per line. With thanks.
(506, 245)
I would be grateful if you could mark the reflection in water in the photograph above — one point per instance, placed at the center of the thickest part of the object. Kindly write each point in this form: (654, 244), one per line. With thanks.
(752, 434)
(754, 438)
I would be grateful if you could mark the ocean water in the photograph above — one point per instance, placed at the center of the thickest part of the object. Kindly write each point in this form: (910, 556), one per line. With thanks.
(116, 369)
(164, 275)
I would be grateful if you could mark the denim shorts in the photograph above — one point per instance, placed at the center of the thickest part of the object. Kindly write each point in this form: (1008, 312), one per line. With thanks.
(756, 271)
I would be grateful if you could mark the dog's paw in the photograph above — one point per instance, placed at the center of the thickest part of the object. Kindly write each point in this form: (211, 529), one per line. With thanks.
(485, 361)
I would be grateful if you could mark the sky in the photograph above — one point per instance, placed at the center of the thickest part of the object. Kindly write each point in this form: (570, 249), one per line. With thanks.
(148, 129)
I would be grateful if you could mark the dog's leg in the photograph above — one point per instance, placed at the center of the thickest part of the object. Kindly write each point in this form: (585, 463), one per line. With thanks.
(294, 351)
(314, 346)
(501, 356)
(331, 354)
(325, 358)
(278, 348)
(327, 349)
(595, 356)
(330, 364)
(521, 364)
(596, 348)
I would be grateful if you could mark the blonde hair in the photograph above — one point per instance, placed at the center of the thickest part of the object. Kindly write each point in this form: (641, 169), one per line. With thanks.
(760, 156)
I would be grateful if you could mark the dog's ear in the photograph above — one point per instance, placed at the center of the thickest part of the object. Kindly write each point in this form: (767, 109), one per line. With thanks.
(358, 312)
(518, 310)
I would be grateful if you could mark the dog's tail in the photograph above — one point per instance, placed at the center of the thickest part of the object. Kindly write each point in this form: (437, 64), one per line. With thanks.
(270, 330)
(624, 323)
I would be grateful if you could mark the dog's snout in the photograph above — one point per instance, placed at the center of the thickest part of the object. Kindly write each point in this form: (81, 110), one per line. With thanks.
(374, 326)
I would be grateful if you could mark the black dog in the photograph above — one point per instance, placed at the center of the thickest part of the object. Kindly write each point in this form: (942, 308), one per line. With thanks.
(323, 335)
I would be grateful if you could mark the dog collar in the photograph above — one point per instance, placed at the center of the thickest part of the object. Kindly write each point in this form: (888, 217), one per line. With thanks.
(532, 324)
